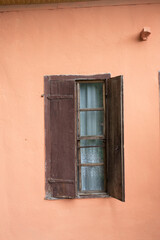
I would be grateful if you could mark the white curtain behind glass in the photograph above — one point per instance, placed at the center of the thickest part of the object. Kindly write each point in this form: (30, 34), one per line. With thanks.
(91, 124)
(91, 96)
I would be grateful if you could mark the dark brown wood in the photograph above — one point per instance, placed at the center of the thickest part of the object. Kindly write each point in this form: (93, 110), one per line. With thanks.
(75, 135)
(101, 137)
(79, 180)
(33, 2)
(60, 131)
(90, 81)
(90, 2)
(115, 136)
(79, 77)
(51, 97)
(51, 180)
(97, 146)
(63, 140)
(48, 188)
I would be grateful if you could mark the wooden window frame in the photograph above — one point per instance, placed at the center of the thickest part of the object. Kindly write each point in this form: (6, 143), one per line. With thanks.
(114, 93)
(98, 137)
(76, 78)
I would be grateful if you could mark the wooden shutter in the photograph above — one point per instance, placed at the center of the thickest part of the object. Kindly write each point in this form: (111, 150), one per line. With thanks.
(60, 138)
(115, 137)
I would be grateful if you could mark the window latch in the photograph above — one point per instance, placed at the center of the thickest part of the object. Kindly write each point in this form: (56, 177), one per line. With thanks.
(116, 148)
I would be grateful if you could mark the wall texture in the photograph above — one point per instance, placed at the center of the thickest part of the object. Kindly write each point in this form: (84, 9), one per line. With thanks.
(78, 41)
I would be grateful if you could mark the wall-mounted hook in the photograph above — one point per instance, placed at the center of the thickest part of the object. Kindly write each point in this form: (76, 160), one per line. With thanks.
(145, 33)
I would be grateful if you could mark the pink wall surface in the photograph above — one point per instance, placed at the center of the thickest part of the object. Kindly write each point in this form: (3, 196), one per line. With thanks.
(91, 40)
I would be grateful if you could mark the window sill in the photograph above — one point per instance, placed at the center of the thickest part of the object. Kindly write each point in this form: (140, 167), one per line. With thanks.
(82, 196)
(93, 195)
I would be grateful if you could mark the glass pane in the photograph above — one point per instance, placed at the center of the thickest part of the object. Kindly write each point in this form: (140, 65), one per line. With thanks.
(91, 142)
(92, 155)
(91, 95)
(92, 178)
(91, 123)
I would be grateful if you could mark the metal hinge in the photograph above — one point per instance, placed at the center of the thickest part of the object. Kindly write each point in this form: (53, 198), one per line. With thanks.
(53, 180)
(57, 97)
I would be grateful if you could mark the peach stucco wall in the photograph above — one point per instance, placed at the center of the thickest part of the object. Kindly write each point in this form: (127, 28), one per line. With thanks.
(90, 40)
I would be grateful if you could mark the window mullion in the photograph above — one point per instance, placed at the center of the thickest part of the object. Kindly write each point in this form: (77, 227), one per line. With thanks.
(90, 109)
(78, 141)
(105, 134)
(101, 137)
(91, 164)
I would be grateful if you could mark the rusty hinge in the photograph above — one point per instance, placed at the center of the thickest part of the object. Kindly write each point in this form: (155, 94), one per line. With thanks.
(53, 180)
(51, 97)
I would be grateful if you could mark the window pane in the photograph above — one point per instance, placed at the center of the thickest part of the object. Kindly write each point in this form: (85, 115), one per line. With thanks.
(92, 178)
(91, 95)
(91, 142)
(92, 155)
(91, 123)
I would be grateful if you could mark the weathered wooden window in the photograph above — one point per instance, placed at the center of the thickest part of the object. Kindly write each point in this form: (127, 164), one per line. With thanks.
(84, 136)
